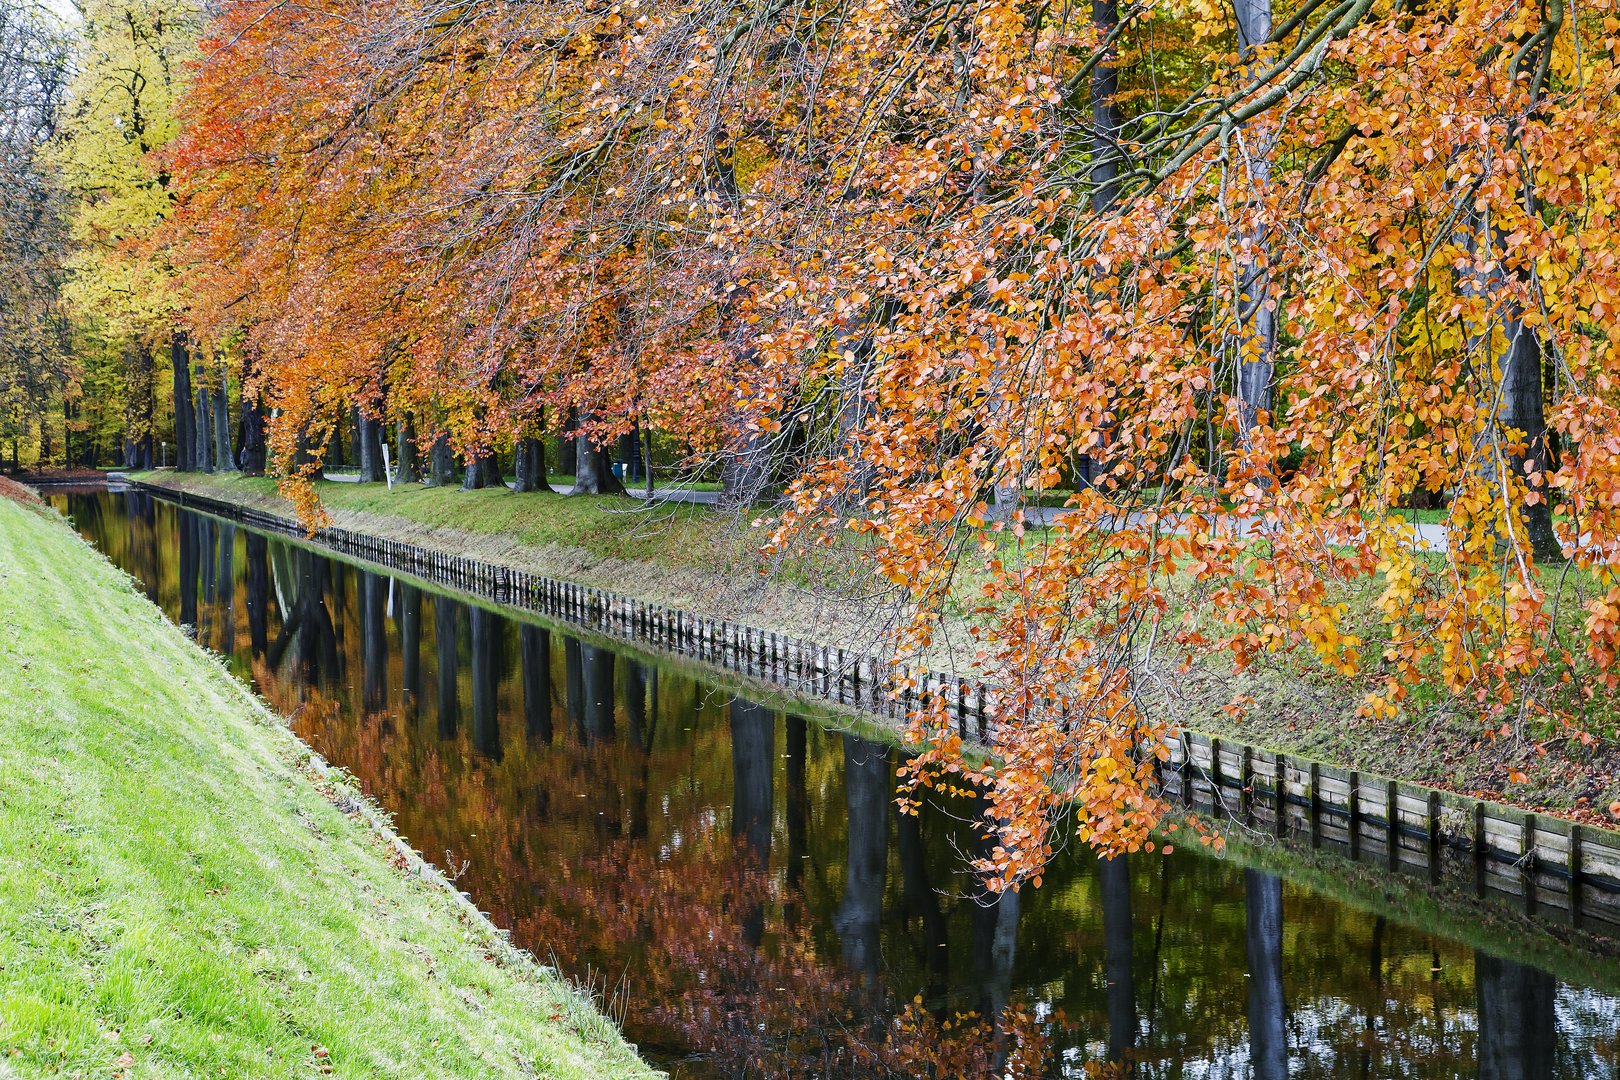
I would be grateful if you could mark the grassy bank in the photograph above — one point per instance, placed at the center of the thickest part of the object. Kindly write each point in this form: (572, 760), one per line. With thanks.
(693, 558)
(184, 895)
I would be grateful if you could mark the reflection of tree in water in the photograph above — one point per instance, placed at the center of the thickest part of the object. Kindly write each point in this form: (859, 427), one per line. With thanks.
(257, 598)
(1268, 1028)
(1517, 1030)
(408, 615)
(484, 665)
(308, 638)
(373, 641)
(445, 620)
(535, 649)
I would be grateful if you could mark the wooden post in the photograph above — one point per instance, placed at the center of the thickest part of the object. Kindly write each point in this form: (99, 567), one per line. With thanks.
(1315, 812)
(1353, 810)
(1577, 855)
(1245, 779)
(1434, 825)
(1392, 815)
(1279, 794)
(1527, 861)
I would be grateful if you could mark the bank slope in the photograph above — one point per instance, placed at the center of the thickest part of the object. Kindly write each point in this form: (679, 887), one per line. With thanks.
(180, 896)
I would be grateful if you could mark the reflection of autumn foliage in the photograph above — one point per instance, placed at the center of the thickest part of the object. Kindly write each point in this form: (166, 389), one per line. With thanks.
(775, 1009)
(715, 956)
(1018, 1047)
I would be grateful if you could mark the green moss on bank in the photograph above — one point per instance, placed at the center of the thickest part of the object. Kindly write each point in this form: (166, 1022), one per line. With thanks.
(181, 897)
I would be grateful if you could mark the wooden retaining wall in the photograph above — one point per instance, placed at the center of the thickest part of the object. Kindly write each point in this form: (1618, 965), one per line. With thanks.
(1556, 867)
(1547, 860)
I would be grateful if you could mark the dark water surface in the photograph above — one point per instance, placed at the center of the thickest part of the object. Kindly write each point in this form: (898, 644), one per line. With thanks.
(737, 886)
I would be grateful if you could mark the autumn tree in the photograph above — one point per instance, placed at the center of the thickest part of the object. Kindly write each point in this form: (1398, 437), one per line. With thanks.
(125, 293)
(34, 369)
(1250, 281)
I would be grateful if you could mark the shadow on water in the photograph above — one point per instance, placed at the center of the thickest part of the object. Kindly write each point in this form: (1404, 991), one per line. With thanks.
(743, 880)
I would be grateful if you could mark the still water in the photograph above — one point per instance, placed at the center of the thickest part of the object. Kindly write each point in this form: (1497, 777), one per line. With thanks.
(736, 885)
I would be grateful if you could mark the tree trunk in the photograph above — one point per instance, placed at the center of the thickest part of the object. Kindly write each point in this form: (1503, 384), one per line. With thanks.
(254, 450)
(628, 455)
(1519, 400)
(336, 452)
(368, 436)
(1523, 414)
(138, 408)
(480, 471)
(184, 419)
(441, 462)
(406, 469)
(1256, 341)
(1107, 125)
(746, 476)
(593, 472)
(530, 465)
(646, 462)
(224, 456)
(203, 441)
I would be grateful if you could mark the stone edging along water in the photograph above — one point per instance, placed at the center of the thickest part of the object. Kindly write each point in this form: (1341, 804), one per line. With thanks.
(1551, 862)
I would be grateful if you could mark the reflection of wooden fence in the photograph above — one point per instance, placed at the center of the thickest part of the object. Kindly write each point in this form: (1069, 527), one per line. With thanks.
(1551, 862)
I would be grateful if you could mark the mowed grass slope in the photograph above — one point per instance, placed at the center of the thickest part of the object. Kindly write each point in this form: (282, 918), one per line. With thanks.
(179, 897)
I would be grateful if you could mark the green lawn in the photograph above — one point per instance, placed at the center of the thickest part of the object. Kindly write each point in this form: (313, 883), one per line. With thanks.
(182, 897)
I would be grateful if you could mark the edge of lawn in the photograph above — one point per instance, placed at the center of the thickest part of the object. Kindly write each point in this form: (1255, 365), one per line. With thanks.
(190, 890)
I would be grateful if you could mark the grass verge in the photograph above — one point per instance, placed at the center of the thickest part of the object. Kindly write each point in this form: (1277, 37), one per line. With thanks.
(183, 895)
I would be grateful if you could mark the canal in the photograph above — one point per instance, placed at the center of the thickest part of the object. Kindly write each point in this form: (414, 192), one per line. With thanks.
(732, 880)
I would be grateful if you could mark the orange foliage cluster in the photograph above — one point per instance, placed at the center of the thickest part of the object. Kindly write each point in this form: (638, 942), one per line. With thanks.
(1248, 295)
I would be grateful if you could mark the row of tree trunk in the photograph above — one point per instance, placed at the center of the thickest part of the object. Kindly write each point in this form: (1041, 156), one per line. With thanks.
(202, 422)
(204, 443)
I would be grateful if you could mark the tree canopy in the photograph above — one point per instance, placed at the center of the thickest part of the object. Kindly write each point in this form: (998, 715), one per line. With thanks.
(1255, 283)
